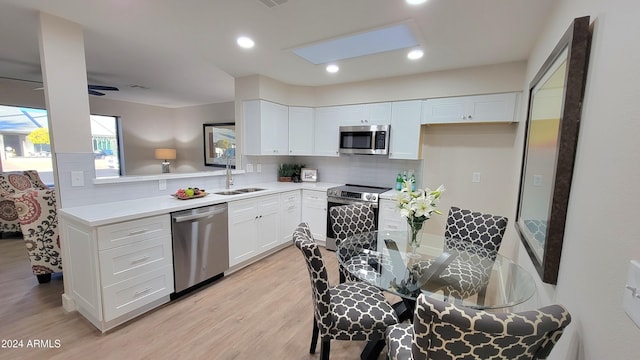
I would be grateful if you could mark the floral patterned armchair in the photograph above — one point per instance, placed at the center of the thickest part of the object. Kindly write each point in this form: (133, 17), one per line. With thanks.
(38, 218)
(11, 183)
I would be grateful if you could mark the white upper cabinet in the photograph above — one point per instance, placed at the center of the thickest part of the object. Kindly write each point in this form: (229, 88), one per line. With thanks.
(405, 130)
(326, 135)
(266, 128)
(470, 109)
(301, 128)
(365, 114)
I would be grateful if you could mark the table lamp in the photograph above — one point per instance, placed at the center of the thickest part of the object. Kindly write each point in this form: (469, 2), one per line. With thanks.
(166, 155)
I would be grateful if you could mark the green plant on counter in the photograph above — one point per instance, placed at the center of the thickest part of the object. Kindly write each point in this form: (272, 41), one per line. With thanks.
(285, 170)
(290, 170)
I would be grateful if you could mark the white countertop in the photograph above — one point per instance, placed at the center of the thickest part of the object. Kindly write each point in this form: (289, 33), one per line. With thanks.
(112, 212)
(389, 195)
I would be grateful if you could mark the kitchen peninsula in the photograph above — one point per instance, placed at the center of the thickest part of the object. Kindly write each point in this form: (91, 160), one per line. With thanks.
(119, 254)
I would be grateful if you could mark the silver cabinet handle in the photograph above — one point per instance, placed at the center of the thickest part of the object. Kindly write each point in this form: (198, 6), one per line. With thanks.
(140, 292)
(138, 232)
(140, 259)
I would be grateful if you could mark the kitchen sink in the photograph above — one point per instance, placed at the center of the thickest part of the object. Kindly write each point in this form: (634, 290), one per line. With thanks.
(229, 192)
(247, 190)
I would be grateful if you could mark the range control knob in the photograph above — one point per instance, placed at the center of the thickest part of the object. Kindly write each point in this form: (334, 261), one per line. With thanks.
(369, 197)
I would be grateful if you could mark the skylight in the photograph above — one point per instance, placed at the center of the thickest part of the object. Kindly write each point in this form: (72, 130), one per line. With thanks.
(361, 44)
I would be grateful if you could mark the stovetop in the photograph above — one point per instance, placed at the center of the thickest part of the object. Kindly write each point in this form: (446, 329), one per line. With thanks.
(357, 192)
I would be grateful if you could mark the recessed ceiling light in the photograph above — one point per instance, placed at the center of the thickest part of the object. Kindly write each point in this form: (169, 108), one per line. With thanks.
(415, 2)
(245, 42)
(332, 68)
(415, 54)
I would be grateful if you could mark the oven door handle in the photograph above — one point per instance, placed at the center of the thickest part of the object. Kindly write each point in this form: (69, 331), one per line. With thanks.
(348, 201)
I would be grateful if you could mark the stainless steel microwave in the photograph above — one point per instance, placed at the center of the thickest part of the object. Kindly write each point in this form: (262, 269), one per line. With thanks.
(365, 139)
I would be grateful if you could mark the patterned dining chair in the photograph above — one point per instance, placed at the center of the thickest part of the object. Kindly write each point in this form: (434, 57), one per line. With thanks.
(474, 239)
(38, 218)
(443, 331)
(352, 311)
(350, 220)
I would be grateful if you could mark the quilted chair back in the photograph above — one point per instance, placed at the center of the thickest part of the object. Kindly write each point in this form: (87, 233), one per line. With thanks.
(11, 183)
(39, 222)
(304, 241)
(444, 331)
(483, 232)
(349, 220)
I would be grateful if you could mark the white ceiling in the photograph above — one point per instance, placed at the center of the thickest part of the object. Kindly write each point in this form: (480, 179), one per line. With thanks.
(185, 52)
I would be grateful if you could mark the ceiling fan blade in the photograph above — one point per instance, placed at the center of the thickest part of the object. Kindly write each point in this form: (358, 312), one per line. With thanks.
(104, 88)
(96, 93)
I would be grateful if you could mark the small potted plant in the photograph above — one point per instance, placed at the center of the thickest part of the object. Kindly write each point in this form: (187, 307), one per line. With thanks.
(285, 172)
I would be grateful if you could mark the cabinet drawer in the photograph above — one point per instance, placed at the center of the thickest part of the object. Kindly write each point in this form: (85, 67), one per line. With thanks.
(136, 292)
(127, 261)
(314, 198)
(110, 236)
(290, 198)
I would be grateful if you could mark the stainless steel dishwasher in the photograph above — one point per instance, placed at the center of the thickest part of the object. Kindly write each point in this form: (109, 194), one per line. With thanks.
(200, 246)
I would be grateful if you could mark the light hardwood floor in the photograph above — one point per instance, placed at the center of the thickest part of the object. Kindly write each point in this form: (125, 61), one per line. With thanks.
(263, 311)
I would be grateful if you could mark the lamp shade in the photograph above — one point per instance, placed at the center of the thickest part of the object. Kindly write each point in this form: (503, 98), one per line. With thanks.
(165, 154)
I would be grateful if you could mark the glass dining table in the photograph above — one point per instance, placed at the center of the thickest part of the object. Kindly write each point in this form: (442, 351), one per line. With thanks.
(449, 269)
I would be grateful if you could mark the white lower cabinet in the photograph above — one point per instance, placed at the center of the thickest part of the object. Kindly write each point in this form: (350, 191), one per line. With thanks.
(119, 270)
(389, 216)
(290, 212)
(314, 212)
(253, 227)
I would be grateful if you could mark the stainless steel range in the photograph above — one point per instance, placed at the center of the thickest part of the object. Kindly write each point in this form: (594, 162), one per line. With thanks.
(351, 194)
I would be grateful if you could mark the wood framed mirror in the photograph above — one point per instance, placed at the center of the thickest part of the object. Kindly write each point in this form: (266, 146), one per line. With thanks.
(553, 120)
(219, 144)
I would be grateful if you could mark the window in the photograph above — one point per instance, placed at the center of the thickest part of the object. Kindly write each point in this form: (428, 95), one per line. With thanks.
(25, 143)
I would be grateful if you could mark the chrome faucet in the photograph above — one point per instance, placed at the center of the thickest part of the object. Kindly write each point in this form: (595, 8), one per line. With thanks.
(229, 176)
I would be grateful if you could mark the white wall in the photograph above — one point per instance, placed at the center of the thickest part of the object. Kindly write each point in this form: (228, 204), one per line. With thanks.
(601, 233)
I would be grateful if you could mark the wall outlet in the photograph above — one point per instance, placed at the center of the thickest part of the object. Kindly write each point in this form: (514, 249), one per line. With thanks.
(259, 168)
(476, 177)
(77, 178)
(537, 180)
(249, 168)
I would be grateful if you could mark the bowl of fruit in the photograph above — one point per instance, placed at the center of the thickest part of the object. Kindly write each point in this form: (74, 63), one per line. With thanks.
(190, 193)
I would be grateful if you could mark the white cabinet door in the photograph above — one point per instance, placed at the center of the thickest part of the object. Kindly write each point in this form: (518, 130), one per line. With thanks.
(301, 123)
(378, 113)
(365, 114)
(253, 227)
(314, 212)
(470, 109)
(268, 222)
(351, 114)
(443, 111)
(243, 222)
(389, 216)
(405, 130)
(290, 212)
(493, 108)
(326, 135)
(266, 128)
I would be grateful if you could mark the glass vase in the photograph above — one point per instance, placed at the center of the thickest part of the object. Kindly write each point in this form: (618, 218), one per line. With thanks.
(415, 233)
